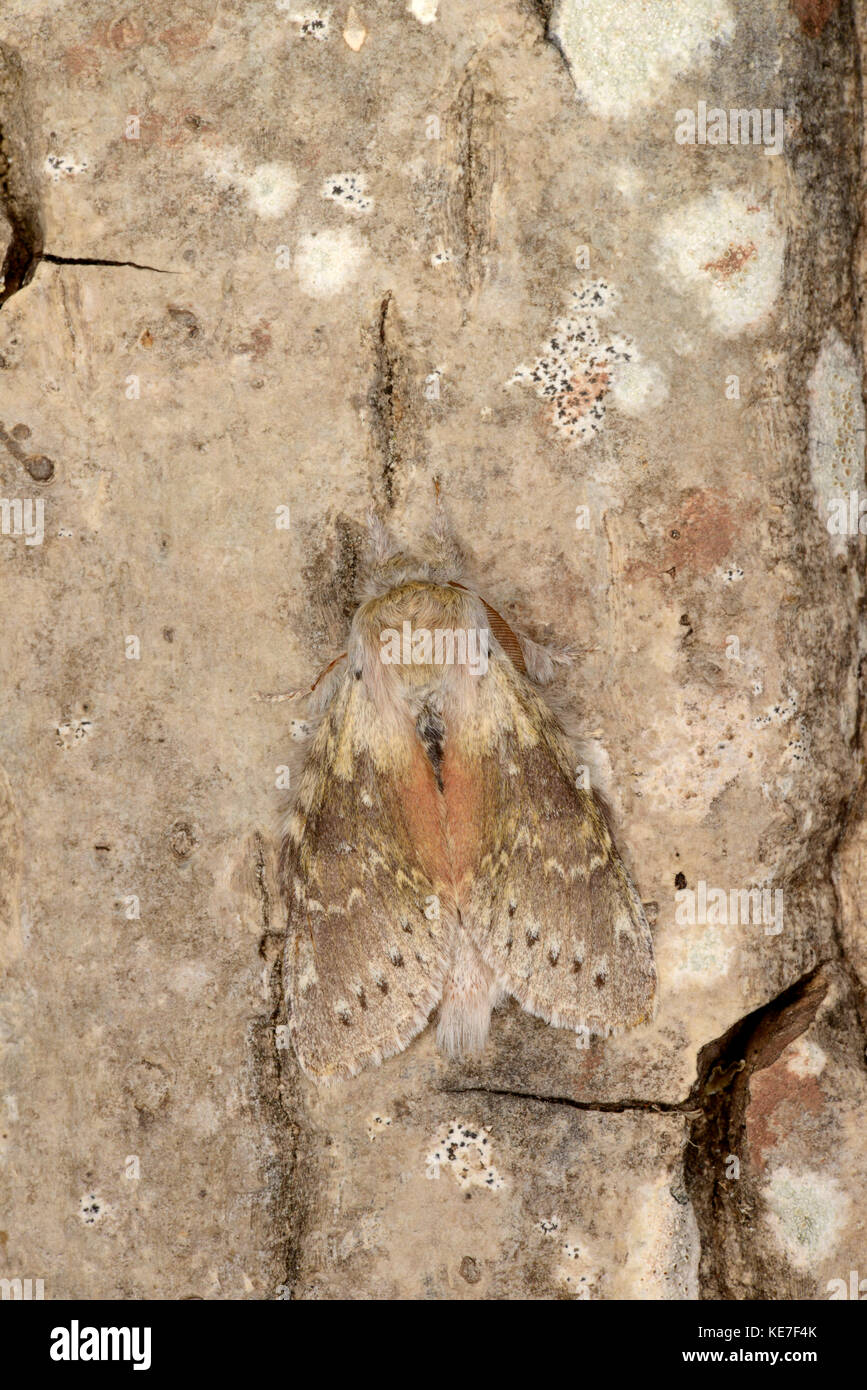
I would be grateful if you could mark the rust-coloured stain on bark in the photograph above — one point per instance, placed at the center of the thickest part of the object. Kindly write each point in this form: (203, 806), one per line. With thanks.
(123, 35)
(119, 34)
(699, 535)
(813, 15)
(732, 261)
(778, 1087)
(183, 39)
(258, 344)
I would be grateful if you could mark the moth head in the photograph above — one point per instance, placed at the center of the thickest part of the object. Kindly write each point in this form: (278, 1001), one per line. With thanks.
(438, 558)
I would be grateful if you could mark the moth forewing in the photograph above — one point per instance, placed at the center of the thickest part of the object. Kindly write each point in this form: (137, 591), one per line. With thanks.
(550, 906)
(364, 965)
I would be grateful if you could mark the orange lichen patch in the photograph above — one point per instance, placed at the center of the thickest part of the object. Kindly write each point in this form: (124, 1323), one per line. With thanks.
(125, 34)
(590, 386)
(732, 261)
(813, 15)
(778, 1098)
(707, 527)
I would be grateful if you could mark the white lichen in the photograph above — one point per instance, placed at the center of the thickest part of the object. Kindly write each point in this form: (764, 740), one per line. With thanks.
(63, 166)
(581, 365)
(425, 11)
(349, 191)
(312, 24)
(327, 262)
(807, 1212)
(91, 1208)
(74, 731)
(805, 1058)
(725, 251)
(625, 56)
(465, 1151)
(271, 189)
(836, 438)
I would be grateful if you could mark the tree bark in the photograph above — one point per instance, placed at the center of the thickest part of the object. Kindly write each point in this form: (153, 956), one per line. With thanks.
(265, 272)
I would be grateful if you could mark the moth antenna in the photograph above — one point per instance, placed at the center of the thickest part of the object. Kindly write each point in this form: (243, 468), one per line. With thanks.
(512, 644)
(324, 672)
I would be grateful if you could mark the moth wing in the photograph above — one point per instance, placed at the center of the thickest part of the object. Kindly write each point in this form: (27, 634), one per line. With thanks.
(550, 906)
(367, 941)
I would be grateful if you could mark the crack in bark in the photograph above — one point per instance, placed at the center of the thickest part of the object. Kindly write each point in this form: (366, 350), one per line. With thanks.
(101, 261)
(717, 1108)
(723, 1206)
(544, 12)
(266, 1090)
(856, 809)
(394, 433)
(18, 201)
(384, 402)
(605, 1107)
(279, 1165)
(855, 815)
(476, 165)
(775, 1024)
(264, 895)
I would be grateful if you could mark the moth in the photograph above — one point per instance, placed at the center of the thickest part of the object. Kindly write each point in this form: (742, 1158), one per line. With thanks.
(441, 852)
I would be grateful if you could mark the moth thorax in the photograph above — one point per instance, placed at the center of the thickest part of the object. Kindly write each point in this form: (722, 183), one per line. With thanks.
(423, 630)
(420, 603)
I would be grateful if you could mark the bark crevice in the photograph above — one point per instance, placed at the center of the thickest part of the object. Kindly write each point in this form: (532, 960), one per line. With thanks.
(52, 259)
(19, 203)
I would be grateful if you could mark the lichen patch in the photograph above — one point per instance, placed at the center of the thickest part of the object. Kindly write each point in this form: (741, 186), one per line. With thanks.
(581, 364)
(725, 250)
(465, 1151)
